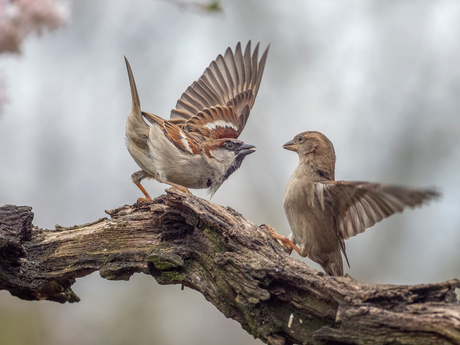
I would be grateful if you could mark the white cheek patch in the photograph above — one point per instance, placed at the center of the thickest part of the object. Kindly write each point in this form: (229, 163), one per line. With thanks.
(222, 155)
(220, 123)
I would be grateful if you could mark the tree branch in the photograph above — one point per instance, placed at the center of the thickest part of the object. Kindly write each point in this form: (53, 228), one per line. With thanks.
(236, 265)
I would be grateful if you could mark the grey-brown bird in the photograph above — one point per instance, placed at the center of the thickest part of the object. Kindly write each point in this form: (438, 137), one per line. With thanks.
(198, 146)
(323, 213)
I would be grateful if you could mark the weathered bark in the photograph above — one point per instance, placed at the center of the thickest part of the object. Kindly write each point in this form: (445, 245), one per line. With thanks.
(236, 265)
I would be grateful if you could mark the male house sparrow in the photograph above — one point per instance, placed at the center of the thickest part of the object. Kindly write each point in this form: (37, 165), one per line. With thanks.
(198, 146)
(323, 213)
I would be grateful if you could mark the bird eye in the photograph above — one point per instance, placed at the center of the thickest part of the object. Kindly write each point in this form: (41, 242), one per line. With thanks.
(300, 138)
(229, 145)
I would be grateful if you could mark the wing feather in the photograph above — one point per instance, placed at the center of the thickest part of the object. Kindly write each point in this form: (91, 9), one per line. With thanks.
(247, 71)
(209, 77)
(255, 67)
(260, 71)
(360, 205)
(187, 106)
(182, 140)
(219, 65)
(219, 103)
(203, 85)
(232, 75)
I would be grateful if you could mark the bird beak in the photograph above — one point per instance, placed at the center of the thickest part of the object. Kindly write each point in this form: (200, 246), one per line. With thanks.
(246, 149)
(290, 145)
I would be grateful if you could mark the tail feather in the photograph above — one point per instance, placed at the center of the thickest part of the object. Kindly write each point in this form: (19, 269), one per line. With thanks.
(332, 263)
(136, 104)
(137, 131)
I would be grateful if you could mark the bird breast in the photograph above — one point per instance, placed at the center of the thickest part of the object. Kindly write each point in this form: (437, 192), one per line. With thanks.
(312, 228)
(174, 165)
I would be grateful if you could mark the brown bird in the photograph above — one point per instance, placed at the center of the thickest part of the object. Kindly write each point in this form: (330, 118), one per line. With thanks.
(323, 213)
(198, 146)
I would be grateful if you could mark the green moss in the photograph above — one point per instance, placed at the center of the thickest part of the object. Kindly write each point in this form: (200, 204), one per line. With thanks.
(252, 321)
(55, 291)
(165, 259)
(173, 276)
(110, 274)
(215, 239)
(170, 277)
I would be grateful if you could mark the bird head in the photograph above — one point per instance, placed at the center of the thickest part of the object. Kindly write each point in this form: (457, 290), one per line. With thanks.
(225, 156)
(315, 149)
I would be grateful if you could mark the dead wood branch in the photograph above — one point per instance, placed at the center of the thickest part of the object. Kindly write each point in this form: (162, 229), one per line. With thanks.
(182, 239)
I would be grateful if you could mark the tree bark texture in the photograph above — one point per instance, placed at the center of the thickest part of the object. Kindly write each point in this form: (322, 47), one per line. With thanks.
(182, 239)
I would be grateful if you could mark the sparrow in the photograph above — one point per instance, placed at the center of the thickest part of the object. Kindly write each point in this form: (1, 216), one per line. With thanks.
(198, 146)
(323, 213)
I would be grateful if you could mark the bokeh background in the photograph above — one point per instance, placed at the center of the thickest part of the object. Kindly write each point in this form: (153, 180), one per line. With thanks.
(380, 78)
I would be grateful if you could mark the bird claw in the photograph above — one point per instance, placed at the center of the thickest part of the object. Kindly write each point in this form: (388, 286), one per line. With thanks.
(183, 189)
(147, 196)
(285, 242)
(139, 200)
(179, 187)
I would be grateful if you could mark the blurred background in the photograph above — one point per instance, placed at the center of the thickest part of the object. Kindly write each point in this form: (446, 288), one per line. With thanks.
(380, 79)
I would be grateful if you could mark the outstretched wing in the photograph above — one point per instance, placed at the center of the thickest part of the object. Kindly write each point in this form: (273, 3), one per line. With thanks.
(219, 103)
(360, 205)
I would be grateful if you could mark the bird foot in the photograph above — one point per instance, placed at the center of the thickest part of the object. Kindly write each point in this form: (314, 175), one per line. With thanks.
(179, 188)
(183, 190)
(285, 242)
(139, 200)
(147, 196)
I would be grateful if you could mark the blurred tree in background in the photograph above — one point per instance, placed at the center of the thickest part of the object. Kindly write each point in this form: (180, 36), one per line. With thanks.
(20, 18)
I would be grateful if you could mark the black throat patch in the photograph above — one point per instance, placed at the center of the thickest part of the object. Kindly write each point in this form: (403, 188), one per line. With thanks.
(235, 166)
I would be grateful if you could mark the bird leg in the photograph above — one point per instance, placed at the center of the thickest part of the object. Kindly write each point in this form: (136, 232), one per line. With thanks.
(147, 196)
(287, 244)
(137, 177)
(179, 187)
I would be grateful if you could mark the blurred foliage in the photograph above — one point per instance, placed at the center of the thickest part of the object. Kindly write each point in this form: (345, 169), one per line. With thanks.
(209, 7)
(20, 18)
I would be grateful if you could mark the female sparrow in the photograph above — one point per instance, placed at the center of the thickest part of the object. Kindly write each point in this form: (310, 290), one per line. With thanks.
(323, 213)
(198, 147)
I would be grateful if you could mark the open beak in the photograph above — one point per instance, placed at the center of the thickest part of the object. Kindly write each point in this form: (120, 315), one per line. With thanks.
(246, 149)
(290, 145)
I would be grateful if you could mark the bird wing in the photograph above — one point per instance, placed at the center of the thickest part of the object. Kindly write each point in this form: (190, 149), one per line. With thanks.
(219, 103)
(360, 205)
(186, 142)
